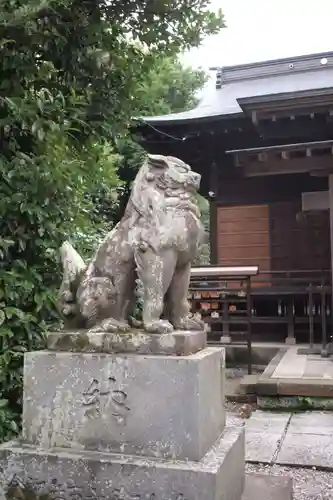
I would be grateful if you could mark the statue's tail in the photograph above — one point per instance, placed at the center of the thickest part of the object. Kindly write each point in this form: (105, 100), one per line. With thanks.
(73, 268)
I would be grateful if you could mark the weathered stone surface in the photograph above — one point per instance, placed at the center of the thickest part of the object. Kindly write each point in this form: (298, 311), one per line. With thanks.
(70, 474)
(261, 447)
(159, 406)
(267, 386)
(311, 450)
(263, 487)
(156, 240)
(317, 388)
(264, 421)
(274, 363)
(308, 441)
(320, 423)
(248, 384)
(181, 343)
(264, 431)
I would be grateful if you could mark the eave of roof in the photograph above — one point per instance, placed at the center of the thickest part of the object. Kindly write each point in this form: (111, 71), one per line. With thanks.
(313, 72)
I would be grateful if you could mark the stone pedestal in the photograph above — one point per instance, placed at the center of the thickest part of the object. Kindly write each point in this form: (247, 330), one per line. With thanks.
(153, 406)
(125, 426)
(81, 474)
(179, 342)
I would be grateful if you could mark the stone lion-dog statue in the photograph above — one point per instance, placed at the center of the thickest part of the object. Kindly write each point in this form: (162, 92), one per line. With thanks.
(155, 241)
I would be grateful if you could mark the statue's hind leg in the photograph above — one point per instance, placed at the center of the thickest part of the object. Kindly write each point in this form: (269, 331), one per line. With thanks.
(112, 310)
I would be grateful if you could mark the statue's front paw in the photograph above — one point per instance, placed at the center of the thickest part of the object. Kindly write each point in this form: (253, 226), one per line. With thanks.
(191, 322)
(110, 326)
(161, 326)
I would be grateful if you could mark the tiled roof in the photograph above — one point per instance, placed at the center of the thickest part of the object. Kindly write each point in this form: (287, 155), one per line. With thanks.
(302, 73)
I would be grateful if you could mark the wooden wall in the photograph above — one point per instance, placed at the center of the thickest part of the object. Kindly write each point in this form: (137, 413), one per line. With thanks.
(259, 221)
(243, 236)
(298, 240)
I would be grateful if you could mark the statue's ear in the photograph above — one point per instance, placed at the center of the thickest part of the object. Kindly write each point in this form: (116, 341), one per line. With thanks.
(157, 161)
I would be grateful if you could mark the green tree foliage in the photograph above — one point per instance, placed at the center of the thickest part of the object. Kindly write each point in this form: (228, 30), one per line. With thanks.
(169, 87)
(203, 257)
(70, 72)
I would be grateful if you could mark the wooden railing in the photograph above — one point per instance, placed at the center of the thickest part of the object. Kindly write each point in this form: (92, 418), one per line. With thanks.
(210, 291)
(297, 304)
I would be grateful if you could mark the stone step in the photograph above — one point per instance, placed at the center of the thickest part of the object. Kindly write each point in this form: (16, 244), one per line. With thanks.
(66, 474)
(312, 388)
(248, 384)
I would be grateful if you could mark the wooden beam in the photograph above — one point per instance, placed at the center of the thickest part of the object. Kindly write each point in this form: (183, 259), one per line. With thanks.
(321, 173)
(297, 146)
(317, 200)
(283, 113)
(319, 165)
(288, 102)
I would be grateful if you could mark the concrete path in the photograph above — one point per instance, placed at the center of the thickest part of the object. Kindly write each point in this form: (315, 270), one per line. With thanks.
(300, 439)
(292, 374)
(303, 366)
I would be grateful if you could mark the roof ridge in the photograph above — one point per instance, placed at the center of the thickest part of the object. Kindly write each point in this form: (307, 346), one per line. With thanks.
(273, 67)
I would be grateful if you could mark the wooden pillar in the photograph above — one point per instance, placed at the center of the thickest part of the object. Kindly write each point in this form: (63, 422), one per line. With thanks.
(213, 229)
(330, 196)
(290, 339)
(322, 200)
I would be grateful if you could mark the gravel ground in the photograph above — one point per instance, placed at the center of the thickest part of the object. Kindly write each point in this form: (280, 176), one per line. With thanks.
(309, 484)
(239, 372)
(233, 377)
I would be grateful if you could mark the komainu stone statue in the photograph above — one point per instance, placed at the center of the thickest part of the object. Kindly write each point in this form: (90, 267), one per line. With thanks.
(155, 241)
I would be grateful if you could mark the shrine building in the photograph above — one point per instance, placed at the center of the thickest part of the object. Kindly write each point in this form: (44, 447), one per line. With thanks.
(262, 139)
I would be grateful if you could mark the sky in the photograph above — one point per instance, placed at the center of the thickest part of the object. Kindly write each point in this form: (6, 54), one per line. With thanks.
(259, 30)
